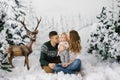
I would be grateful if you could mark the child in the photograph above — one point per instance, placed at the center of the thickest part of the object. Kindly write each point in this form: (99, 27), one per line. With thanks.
(64, 55)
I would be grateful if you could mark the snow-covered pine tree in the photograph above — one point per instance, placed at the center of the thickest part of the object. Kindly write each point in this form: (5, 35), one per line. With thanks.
(15, 32)
(117, 22)
(104, 41)
(11, 31)
(117, 30)
(3, 63)
(117, 25)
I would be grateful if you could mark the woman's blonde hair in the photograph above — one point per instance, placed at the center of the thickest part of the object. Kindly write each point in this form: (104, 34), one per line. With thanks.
(74, 42)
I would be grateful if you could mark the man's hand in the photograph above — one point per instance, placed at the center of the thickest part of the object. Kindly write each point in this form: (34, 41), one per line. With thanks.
(51, 65)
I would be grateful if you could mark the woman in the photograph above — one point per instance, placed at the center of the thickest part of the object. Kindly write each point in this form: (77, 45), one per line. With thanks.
(74, 64)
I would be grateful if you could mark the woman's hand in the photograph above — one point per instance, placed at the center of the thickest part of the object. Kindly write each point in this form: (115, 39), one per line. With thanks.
(65, 64)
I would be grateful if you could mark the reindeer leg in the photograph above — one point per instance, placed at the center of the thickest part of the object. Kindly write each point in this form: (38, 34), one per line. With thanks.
(27, 62)
(10, 60)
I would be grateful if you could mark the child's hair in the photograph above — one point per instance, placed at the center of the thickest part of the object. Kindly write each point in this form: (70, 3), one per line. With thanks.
(64, 33)
(74, 42)
(52, 33)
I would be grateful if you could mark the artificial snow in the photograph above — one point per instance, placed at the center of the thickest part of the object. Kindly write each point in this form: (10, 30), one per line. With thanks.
(92, 67)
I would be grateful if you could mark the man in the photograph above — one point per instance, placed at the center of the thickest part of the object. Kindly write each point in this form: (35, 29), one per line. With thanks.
(49, 52)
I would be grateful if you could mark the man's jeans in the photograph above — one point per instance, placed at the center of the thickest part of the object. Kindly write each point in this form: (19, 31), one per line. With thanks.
(71, 69)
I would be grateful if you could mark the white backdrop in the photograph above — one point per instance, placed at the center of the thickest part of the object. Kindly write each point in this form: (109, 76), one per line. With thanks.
(68, 7)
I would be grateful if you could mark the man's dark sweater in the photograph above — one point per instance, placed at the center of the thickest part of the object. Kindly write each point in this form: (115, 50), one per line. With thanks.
(49, 54)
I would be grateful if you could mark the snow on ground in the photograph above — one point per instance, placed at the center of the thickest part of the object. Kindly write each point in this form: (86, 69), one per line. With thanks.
(93, 67)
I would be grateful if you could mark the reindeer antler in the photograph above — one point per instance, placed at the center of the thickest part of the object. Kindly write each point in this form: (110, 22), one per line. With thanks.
(24, 25)
(38, 22)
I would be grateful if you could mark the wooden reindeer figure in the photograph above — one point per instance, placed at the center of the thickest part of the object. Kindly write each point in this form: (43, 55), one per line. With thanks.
(24, 50)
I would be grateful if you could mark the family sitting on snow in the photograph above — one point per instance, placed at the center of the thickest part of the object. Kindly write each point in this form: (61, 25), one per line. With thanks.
(61, 55)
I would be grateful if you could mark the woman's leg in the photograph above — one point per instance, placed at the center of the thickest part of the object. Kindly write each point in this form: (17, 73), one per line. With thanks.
(59, 68)
(75, 65)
